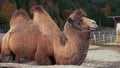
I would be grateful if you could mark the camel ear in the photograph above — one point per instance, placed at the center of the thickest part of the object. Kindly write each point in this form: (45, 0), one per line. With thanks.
(81, 12)
(70, 20)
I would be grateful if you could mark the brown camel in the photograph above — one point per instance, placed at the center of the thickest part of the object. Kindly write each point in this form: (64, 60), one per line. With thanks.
(45, 42)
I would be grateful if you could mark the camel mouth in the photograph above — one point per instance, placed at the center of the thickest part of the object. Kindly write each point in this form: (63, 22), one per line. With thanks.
(92, 25)
(93, 28)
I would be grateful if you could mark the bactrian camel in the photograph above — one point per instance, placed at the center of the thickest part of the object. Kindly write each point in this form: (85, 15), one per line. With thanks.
(71, 46)
(43, 42)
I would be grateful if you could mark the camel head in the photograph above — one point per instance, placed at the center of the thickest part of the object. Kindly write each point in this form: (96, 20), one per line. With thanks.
(18, 17)
(78, 19)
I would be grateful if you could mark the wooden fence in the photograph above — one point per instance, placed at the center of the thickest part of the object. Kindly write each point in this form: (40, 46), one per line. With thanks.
(103, 36)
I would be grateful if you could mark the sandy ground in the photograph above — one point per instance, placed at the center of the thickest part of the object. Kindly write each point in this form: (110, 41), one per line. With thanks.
(103, 57)
(97, 57)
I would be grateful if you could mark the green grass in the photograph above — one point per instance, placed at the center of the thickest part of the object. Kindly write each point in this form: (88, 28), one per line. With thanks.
(112, 43)
(107, 43)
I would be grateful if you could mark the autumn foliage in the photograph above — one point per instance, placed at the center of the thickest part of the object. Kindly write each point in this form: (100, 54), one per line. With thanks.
(60, 9)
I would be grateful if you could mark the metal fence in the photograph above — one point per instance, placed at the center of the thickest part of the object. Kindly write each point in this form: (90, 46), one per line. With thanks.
(97, 37)
(103, 36)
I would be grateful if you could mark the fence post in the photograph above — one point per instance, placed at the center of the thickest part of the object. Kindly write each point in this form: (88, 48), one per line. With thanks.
(99, 35)
(110, 37)
(103, 37)
(94, 37)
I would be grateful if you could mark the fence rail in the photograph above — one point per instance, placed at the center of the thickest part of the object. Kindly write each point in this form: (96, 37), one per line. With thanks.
(103, 36)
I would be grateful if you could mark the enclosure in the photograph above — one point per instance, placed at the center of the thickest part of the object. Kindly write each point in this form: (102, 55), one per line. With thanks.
(104, 50)
(103, 37)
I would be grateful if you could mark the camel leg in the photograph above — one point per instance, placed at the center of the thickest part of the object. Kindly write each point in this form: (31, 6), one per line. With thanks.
(17, 59)
(6, 58)
(42, 59)
(6, 55)
(5, 49)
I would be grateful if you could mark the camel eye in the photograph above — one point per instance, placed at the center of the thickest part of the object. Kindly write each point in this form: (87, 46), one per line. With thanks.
(70, 20)
(93, 22)
(80, 22)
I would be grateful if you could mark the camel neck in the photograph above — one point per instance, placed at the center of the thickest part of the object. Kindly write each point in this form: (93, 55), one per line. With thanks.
(76, 45)
(75, 37)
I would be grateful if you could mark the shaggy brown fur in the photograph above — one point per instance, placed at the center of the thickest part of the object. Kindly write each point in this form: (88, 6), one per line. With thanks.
(12, 40)
(1, 37)
(46, 25)
(45, 42)
(26, 41)
(77, 31)
(19, 16)
(48, 28)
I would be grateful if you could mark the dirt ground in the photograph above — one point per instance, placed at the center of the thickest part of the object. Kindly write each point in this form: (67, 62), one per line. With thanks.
(103, 57)
(97, 57)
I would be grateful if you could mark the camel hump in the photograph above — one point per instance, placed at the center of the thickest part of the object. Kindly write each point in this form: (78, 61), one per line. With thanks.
(21, 13)
(37, 8)
(19, 16)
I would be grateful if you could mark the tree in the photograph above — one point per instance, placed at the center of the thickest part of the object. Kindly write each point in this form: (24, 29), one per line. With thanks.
(7, 9)
(107, 9)
(24, 4)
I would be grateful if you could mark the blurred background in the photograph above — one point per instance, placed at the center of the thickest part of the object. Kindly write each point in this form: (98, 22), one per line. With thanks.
(59, 10)
(107, 54)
